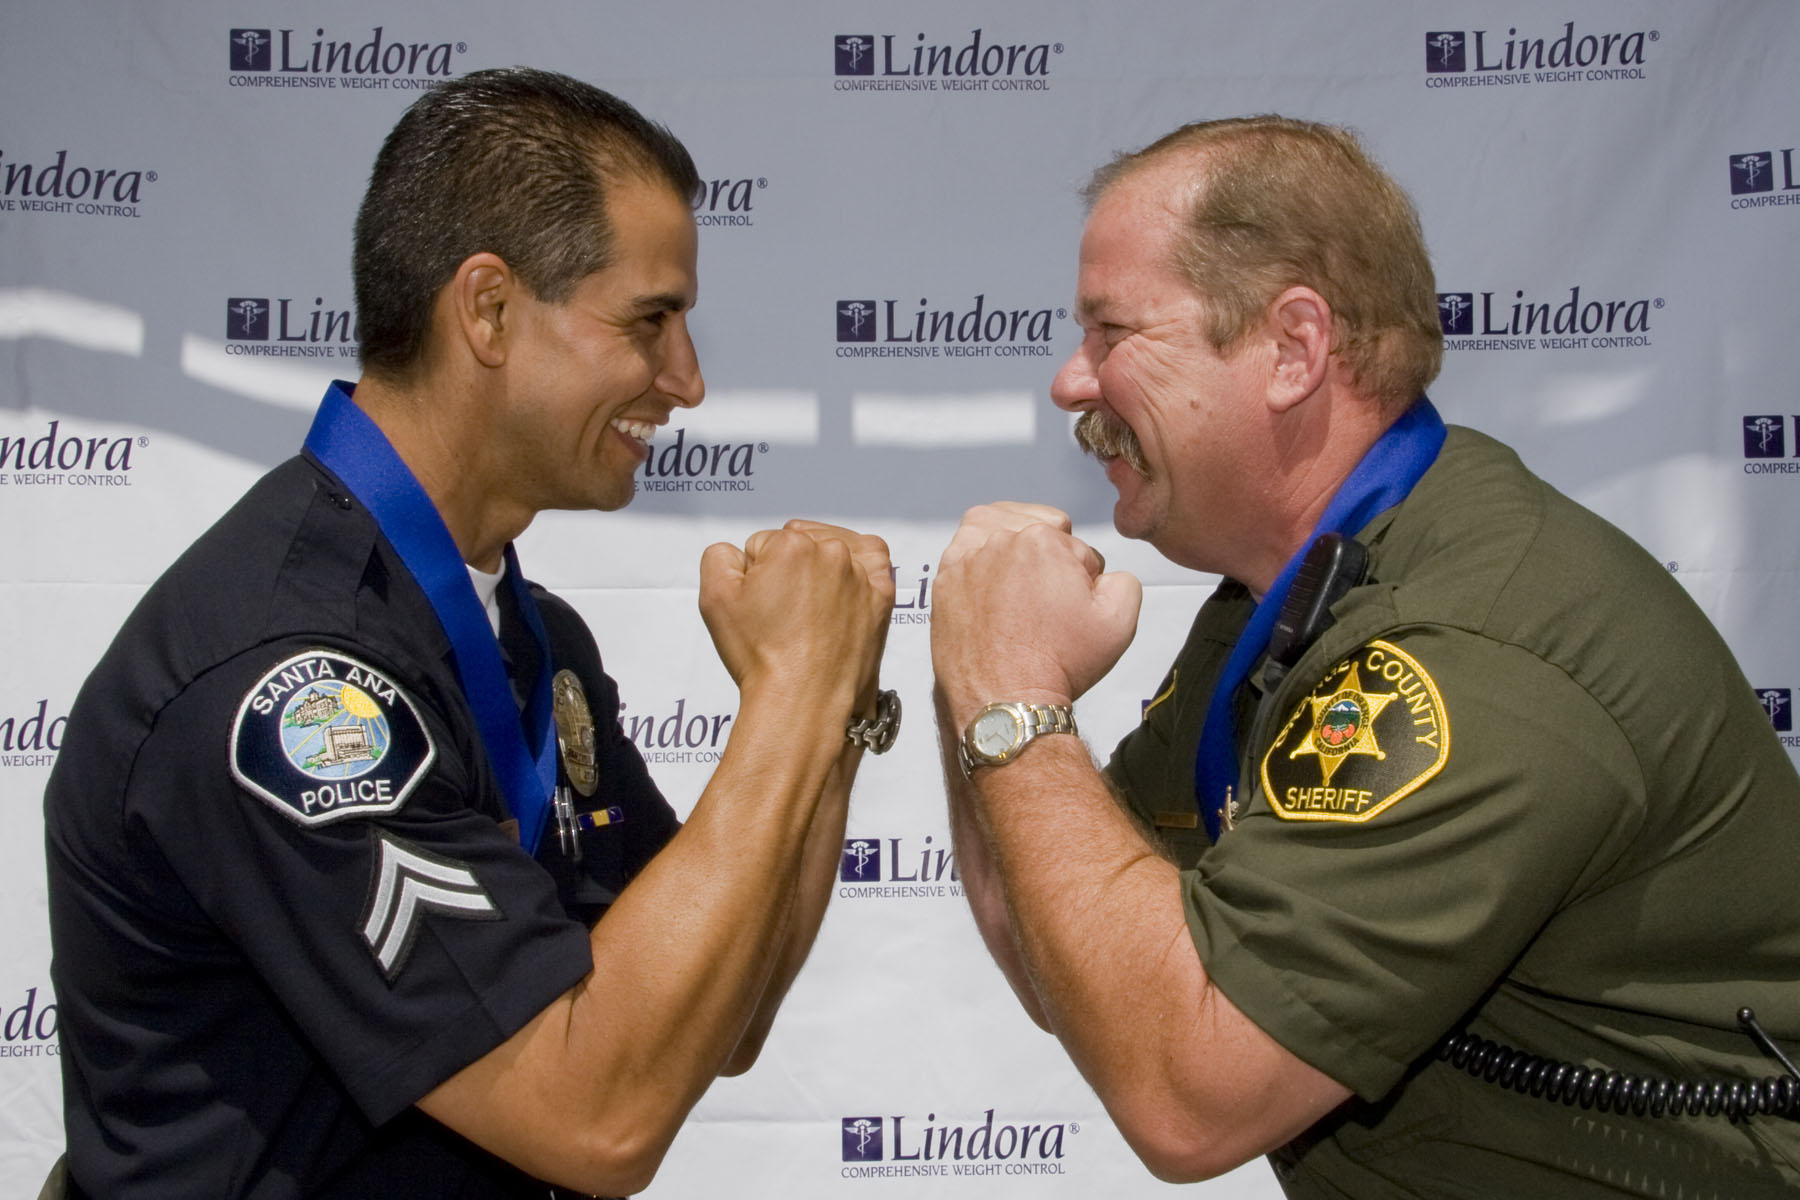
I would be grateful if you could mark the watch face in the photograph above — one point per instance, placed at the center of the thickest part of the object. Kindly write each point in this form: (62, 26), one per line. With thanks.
(996, 733)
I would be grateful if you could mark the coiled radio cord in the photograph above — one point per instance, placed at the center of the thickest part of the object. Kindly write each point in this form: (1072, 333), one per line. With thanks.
(1622, 1092)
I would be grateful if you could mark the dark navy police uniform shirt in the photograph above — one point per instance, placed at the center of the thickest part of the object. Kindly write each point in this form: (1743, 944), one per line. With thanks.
(283, 902)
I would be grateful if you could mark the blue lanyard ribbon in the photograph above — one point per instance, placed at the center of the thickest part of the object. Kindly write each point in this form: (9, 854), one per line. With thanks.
(353, 448)
(1381, 480)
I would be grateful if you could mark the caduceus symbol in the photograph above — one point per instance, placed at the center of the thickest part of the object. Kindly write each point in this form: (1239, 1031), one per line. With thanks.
(1766, 428)
(251, 41)
(1452, 306)
(857, 311)
(862, 852)
(854, 47)
(1445, 43)
(1773, 701)
(864, 1130)
(1751, 166)
(248, 311)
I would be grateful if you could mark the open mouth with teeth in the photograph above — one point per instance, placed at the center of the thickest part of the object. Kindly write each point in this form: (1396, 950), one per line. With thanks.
(637, 432)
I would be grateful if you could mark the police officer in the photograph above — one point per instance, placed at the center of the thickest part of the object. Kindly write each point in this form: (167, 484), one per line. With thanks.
(337, 809)
(1444, 860)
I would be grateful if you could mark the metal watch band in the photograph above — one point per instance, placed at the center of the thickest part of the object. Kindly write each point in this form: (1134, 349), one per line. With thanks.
(1048, 718)
(877, 733)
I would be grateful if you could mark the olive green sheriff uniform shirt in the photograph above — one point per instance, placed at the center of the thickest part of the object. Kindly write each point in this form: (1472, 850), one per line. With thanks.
(1520, 784)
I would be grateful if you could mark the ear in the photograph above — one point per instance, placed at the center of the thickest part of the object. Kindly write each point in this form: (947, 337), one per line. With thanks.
(1299, 322)
(480, 298)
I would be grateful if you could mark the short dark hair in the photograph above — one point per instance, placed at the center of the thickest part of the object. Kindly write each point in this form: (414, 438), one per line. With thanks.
(514, 162)
(1284, 202)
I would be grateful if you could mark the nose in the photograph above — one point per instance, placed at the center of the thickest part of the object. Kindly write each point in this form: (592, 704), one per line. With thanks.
(1077, 383)
(680, 377)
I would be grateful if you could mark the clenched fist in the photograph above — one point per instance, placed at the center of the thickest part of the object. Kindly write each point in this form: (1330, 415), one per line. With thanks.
(801, 607)
(1024, 610)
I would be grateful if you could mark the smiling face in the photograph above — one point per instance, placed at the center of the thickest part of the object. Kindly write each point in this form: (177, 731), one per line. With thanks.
(1177, 424)
(593, 376)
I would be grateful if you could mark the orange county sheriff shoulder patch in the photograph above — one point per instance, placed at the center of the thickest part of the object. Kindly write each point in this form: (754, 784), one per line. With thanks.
(1368, 736)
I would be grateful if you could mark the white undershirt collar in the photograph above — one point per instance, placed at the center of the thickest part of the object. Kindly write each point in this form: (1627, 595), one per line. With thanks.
(487, 590)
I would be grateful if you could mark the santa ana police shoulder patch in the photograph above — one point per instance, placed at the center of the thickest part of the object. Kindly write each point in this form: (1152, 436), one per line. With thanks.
(323, 737)
(1372, 733)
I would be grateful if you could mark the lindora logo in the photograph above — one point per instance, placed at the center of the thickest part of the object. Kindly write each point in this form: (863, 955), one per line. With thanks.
(912, 598)
(1766, 445)
(728, 203)
(85, 189)
(862, 1139)
(379, 60)
(30, 1027)
(1763, 178)
(31, 738)
(61, 458)
(283, 327)
(250, 50)
(982, 329)
(677, 735)
(1571, 321)
(1481, 57)
(875, 1147)
(1779, 704)
(697, 466)
(980, 63)
(897, 868)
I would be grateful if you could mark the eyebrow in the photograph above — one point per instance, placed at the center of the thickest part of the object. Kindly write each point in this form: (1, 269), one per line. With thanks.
(661, 302)
(1091, 308)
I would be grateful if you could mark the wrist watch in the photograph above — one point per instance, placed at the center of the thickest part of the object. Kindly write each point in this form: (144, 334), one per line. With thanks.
(878, 732)
(1004, 728)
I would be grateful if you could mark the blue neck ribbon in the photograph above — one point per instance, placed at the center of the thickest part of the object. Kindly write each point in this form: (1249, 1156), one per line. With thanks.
(520, 747)
(1381, 480)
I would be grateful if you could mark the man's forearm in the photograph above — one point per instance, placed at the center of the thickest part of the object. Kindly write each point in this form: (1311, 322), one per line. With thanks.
(808, 898)
(1097, 915)
(981, 883)
(720, 951)
(1059, 851)
(1193, 1084)
(682, 962)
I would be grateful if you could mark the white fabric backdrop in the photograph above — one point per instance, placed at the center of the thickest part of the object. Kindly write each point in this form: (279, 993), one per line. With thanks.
(177, 185)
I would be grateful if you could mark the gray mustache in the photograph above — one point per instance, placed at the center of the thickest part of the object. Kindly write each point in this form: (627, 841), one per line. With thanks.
(1105, 436)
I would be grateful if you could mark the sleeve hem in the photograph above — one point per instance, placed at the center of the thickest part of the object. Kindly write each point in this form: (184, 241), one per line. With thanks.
(492, 1016)
(1269, 998)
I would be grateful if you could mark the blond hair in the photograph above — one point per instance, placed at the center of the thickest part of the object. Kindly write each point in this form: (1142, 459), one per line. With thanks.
(1281, 203)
